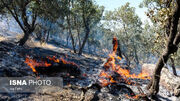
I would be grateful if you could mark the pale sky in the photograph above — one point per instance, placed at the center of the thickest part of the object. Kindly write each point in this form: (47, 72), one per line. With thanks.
(112, 4)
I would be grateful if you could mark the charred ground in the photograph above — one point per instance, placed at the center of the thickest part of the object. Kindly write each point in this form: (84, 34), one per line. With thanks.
(81, 82)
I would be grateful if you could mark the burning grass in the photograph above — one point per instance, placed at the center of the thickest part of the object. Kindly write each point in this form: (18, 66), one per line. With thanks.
(112, 73)
(112, 67)
(50, 65)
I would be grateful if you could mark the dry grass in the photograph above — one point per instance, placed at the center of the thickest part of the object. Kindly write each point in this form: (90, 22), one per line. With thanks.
(32, 43)
(11, 38)
(2, 38)
(19, 36)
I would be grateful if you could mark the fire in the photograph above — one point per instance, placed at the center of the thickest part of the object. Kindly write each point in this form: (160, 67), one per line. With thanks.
(61, 60)
(111, 65)
(132, 97)
(53, 59)
(34, 63)
(104, 75)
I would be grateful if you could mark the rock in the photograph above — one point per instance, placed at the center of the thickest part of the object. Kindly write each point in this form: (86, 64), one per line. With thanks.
(4, 97)
(89, 95)
(104, 90)
(108, 97)
(148, 68)
(177, 91)
(48, 89)
(168, 80)
(61, 95)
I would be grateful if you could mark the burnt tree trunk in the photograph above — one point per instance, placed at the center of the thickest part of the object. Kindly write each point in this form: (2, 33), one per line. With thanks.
(168, 25)
(79, 39)
(88, 45)
(78, 29)
(127, 59)
(72, 38)
(22, 19)
(117, 47)
(117, 50)
(173, 66)
(48, 33)
(94, 49)
(171, 47)
(119, 53)
(28, 30)
(87, 31)
(28, 27)
(67, 40)
(84, 41)
(69, 28)
(23, 40)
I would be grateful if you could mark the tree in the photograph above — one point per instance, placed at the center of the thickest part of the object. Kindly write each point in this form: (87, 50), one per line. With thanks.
(43, 29)
(91, 15)
(18, 9)
(69, 17)
(173, 39)
(127, 27)
(81, 17)
(26, 12)
(93, 40)
(148, 43)
(160, 13)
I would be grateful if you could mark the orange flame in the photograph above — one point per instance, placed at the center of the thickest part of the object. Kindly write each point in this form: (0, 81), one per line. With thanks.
(33, 63)
(111, 65)
(105, 82)
(132, 97)
(53, 59)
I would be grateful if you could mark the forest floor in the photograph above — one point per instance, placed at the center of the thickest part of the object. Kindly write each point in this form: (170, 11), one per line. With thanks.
(81, 88)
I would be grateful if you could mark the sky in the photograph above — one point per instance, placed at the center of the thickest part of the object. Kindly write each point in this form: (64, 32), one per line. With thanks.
(113, 4)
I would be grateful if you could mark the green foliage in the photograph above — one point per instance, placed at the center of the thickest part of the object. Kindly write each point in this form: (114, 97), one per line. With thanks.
(137, 40)
(83, 14)
(127, 26)
(53, 9)
(91, 12)
(160, 12)
(45, 9)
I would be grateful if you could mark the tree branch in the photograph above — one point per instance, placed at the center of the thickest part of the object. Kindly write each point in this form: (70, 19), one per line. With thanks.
(34, 20)
(13, 14)
(175, 21)
(170, 48)
(24, 16)
(177, 39)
